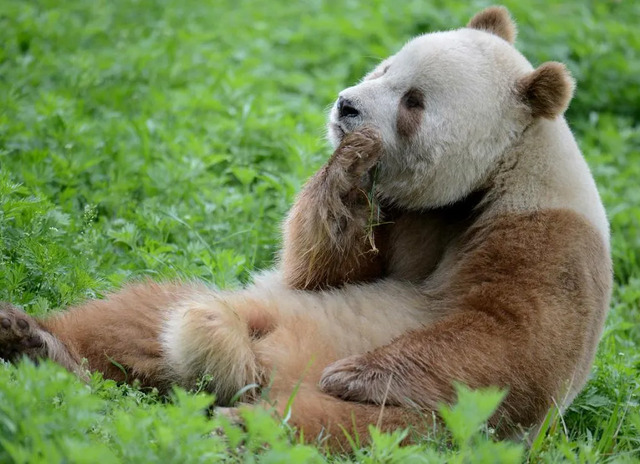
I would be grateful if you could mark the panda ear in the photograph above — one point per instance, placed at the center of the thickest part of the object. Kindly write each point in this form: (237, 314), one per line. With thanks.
(497, 21)
(547, 90)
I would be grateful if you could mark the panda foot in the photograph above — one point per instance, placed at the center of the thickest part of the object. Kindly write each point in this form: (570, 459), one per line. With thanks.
(20, 335)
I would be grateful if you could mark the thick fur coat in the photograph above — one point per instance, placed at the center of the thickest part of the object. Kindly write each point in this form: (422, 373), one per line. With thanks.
(455, 235)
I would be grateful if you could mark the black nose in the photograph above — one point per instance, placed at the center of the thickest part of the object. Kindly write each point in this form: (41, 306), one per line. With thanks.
(346, 108)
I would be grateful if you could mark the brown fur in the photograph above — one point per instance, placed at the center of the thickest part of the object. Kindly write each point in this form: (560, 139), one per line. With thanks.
(511, 324)
(328, 421)
(118, 336)
(334, 221)
(432, 232)
(547, 90)
(497, 21)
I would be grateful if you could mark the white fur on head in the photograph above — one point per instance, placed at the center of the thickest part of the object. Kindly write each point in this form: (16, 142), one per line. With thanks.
(441, 148)
(449, 107)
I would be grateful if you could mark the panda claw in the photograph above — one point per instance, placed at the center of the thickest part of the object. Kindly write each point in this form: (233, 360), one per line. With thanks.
(19, 335)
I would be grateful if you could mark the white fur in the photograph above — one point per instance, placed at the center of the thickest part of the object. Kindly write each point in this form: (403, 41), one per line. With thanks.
(473, 121)
(203, 335)
(549, 172)
(356, 318)
(207, 333)
(470, 116)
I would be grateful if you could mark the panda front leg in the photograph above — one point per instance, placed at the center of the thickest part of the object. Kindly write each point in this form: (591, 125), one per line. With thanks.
(329, 233)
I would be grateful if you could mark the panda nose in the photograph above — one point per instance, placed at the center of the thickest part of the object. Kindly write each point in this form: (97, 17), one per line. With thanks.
(346, 108)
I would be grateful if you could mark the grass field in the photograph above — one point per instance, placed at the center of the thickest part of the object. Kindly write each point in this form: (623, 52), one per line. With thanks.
(167, 139)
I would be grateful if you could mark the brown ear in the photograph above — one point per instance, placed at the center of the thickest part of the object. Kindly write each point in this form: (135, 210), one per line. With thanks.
(497, 21)
(547, 90)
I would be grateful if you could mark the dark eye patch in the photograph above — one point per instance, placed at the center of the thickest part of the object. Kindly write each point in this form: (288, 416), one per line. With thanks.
(410, 110)
(413, 99)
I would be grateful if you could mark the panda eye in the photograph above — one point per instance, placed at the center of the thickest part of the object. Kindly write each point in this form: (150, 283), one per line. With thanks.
(413, 99)
(378, 73)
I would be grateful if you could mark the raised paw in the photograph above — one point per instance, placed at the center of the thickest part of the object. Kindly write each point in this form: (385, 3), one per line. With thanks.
(355, 379)
(20, 335)
(357, 154)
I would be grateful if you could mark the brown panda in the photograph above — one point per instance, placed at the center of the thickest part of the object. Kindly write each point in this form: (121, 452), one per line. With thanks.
(455, 235)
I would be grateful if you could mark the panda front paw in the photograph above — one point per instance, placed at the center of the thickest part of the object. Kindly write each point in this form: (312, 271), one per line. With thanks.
(355, 158)
(356, 379)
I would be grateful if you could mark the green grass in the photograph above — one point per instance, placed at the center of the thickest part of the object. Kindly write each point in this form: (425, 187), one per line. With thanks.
(168, 138)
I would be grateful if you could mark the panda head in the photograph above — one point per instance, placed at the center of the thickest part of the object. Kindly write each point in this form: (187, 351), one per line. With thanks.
(448, 105)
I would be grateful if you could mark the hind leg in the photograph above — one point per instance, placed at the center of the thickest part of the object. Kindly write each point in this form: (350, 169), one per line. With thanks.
(330, 422)
(119, 336)
(157, 334)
